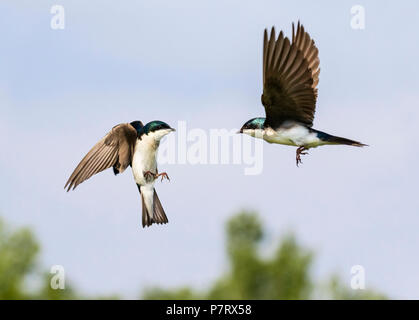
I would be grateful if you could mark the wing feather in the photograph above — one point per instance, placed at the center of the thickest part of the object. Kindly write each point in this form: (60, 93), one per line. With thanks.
(114, 150)
(76, 173)
(97, 165)
(290, 77)
(278, 50)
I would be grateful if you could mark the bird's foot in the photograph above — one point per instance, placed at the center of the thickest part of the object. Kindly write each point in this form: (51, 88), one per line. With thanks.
(300, 151)
(163, 175)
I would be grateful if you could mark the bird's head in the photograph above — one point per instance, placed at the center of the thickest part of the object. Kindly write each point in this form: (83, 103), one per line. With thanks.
(253, 126)
(157, 129)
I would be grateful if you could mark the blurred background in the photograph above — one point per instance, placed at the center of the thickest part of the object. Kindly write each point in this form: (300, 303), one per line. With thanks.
(288, 233)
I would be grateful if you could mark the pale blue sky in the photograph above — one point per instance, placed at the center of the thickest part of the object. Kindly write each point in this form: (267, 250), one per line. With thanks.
(200, 61)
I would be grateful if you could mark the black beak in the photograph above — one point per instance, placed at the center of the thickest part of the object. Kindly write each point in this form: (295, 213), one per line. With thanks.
(240, 131)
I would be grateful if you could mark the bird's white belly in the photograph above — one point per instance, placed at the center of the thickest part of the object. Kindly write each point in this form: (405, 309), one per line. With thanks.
(296, 135)
(144, 159)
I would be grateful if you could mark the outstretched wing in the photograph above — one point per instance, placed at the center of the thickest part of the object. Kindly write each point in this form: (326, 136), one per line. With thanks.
(114, 150)
(290, 77)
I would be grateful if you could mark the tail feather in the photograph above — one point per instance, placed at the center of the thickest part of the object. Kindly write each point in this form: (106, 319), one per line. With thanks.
(157, 215)
(349, 142)
(147, 218)
(337, 140)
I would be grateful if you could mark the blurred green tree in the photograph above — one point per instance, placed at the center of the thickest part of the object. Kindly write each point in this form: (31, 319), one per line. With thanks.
(18, 251)
(45, 292)
(335, 289)
(284, 275)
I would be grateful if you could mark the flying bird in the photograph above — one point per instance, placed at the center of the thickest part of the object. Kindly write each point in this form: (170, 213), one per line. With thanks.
(290, 77)
(129, 144)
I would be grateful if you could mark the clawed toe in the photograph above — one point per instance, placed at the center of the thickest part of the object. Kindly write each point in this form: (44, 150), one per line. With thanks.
(163, 176)
(300, 151)
(148, 175)
(298, 160)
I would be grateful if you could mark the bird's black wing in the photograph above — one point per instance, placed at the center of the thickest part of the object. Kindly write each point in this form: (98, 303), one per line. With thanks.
(290, 77)
(114, 150)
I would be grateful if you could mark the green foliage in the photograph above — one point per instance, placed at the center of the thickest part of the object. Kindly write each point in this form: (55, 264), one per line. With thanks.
(335, 289)
(283, 275)
(18, 255)
(290, 271)
(244, 231)
(47, 293)
(18, 251)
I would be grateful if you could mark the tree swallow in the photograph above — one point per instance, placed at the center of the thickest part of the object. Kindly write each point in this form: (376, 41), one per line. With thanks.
(290, 77)
(135, 145)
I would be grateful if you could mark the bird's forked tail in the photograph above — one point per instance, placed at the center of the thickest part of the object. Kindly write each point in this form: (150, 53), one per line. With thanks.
(153, 211)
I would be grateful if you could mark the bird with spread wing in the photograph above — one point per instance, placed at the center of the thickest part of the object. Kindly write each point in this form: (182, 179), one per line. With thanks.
(290, 77)
(129, 144)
